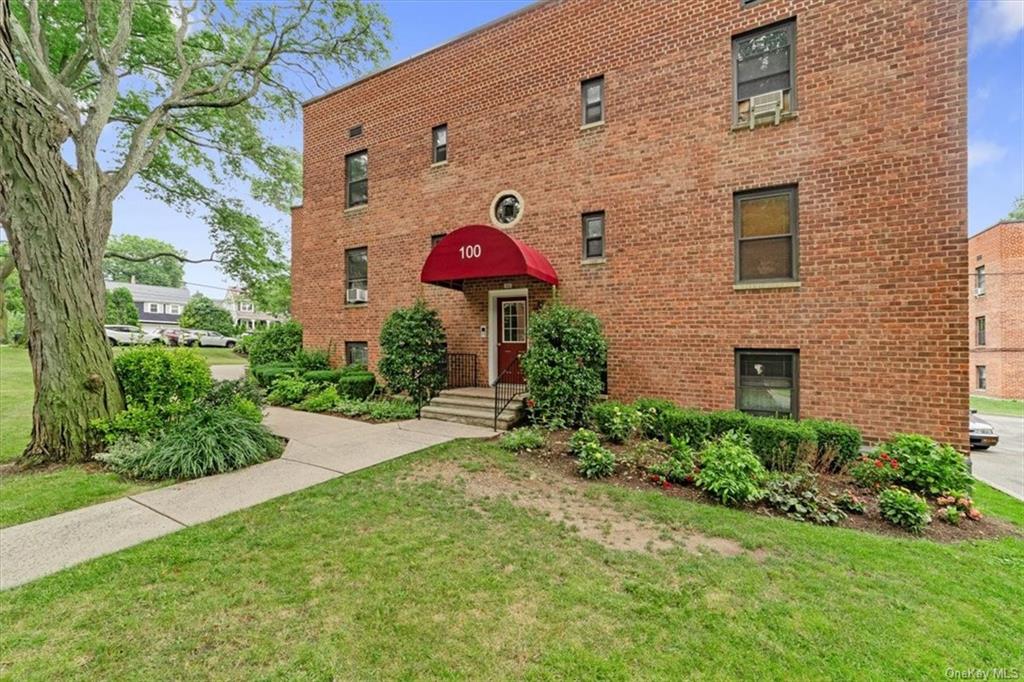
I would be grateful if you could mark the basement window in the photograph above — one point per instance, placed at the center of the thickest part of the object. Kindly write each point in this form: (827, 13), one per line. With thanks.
(357, 353)
(766, 382)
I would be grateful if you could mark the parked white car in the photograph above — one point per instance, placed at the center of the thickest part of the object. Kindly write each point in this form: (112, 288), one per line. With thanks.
(124, 335)
(199, 337)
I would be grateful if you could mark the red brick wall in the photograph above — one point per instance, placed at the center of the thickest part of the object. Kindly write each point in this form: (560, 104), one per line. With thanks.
(1000, 249)
(878, 151)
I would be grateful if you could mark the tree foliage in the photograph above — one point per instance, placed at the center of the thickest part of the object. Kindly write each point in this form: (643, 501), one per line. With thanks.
(203, 313)
(163, 271)
(121, 308)
(1017, 212)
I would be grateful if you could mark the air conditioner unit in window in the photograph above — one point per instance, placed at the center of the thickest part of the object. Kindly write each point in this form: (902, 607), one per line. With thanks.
(980, 291)
(768, 104)
(356, 296)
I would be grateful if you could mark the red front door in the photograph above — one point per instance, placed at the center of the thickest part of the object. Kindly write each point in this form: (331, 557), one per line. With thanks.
(511, 336)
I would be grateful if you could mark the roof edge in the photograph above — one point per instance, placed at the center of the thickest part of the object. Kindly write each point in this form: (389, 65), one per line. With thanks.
(994, 226)
(451, 41)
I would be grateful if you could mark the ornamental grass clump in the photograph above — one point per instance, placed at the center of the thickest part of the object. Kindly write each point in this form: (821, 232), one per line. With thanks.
(730, 471)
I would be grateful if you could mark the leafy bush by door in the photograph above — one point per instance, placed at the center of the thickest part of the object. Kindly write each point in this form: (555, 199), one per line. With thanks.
(563, 364)
(413, 348)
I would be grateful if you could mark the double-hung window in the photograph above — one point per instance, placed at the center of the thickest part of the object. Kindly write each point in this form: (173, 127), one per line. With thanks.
(979, 330)
(982, 378)
(592, 93)
(764, 64)
(766, 235)
(356, 182)
(593, 235)
(979, 280)
(154, 308)
(440, 140)
(767, 382)
(357, 353)
(356, 290)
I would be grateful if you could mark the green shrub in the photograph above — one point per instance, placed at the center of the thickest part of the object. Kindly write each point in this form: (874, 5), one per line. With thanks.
(246, 408)
(581, 440)
(322, 376)
(528, 438)
(226, 392)
(595, 461)
(730, 471)
(838, 443)
(563, 364)
(679, 463)
(265, 375)
(321, 401)
(394, 409)
(782, 443)
(311, 360)
(277, 343)
(797, 496)
(154, 376)
(356, 385)
(616, 421)
(875, 471)
(929, 467)
(728, 420)
(648, 411)
(288, 391)
(692, 426)
(354, 368)
(413, 349)
(135, 423)
(903, 508)
(203, 442)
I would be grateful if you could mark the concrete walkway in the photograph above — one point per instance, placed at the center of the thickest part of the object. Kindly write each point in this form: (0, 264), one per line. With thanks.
(226, 372)
(320, 448)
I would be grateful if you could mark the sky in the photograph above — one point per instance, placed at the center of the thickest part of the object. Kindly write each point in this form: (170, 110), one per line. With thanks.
(995, 128)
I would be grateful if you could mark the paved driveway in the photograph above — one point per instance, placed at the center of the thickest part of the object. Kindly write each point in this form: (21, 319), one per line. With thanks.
(1002, 467)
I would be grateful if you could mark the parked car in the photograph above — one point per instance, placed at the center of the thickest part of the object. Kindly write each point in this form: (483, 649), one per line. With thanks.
(124, 335)
(983, 434)
(200, 337)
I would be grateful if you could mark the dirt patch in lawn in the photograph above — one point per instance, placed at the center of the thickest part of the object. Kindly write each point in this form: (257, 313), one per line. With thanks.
(564, 501)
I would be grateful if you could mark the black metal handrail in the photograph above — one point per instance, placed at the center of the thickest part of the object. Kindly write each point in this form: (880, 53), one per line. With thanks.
(461, 370)
(508, 385)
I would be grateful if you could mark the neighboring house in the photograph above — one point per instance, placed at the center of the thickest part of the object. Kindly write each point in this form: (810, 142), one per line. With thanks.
(244, 311)
(159, 307)
(808, 262)
(997, 310)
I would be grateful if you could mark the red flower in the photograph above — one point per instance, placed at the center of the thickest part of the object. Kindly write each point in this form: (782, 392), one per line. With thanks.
(665, 484)
(879, 464)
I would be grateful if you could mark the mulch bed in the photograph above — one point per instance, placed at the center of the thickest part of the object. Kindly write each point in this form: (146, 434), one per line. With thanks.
(556, 457)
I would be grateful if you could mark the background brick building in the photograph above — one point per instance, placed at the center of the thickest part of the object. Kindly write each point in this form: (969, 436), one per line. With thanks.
(873, 143)
(996, 257)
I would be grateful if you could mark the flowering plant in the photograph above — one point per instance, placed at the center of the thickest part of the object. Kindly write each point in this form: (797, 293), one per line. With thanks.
(876, 471)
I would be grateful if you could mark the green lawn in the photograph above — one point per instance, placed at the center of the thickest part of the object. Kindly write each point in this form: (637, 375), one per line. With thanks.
(15, 402)
(1008, 408)
(378, 575)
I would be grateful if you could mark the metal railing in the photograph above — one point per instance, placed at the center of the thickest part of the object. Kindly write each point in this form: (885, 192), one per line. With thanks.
(461, 370)
(509, 385)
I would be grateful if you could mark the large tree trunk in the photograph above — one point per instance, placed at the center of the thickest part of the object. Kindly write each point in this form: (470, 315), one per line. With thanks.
(57, 225)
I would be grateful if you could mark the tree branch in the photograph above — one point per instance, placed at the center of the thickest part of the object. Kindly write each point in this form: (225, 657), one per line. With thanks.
(162, 254)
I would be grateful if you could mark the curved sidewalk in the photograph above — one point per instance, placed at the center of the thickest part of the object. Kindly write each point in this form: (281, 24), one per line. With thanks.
(319, 448)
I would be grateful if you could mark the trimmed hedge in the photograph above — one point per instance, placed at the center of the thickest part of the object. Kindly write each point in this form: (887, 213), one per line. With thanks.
(842, 439)
(782, 443)
(356, 385)
(692, 426)
(650, 410)
(728, 420)
(265, 375)
(322, 376)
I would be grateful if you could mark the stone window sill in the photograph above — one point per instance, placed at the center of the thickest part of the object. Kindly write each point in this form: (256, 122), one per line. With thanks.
(752, 286)
(439, 164)
(592, 126)
(594, 261)
(356, 305)
(357, 209)
(766, 121)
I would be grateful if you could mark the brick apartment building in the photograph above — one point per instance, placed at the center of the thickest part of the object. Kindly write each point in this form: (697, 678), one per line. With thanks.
(996, 257)
(811, 264)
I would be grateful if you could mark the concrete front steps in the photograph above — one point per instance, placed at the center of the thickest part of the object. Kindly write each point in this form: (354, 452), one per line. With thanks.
(473, 406)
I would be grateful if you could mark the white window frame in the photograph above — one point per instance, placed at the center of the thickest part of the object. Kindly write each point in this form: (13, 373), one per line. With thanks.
(155, 308)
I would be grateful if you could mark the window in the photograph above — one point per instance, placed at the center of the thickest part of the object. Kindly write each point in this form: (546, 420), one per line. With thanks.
(507, 208)
(172, 309)
(979, 280)
(766, 226)
(440, 137)
(153, 308)
(357, 353)
(245, 306)
(766, 382)
(355, 276)
(764, 62)
(355, 179)
(592, 95)
(979, 330)
(982, 378)
(593, 235)
(435, 238)
(513, 321)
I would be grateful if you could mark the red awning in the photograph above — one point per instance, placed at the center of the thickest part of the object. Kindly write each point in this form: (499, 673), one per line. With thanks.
(479, 251)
